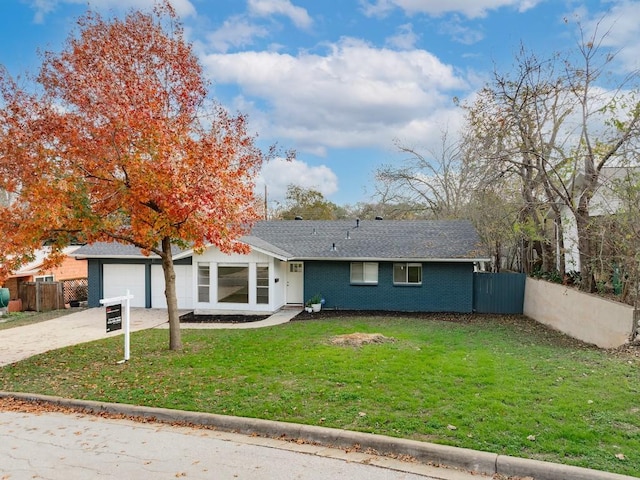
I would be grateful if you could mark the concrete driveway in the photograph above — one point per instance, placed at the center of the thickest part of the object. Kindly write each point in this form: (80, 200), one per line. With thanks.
(88, 325)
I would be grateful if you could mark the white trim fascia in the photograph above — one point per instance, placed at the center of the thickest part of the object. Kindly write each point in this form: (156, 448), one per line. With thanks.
(118, 257)
(377, 259)
(270, 254)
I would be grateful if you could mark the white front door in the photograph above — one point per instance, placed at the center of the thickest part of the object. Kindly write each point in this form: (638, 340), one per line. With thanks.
(295, 282)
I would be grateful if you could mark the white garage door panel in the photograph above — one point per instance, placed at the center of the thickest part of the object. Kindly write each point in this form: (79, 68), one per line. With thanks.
(183, 287)
(120, 278)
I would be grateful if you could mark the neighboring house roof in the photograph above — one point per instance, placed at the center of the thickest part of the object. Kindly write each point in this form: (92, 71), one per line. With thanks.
(34, 267)
(424, 240)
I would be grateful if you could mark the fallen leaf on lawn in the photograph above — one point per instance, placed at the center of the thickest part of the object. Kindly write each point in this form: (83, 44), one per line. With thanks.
(452, 427)
(620, 456)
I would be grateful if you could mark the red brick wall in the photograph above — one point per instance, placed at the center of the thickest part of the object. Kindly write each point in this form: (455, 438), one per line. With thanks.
(69, 269)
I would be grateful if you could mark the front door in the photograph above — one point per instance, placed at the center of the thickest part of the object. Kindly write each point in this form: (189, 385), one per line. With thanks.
(295, 282)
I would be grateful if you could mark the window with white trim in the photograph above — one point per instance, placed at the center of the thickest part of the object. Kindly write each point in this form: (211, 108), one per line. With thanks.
(364, 273)
(407, 274)
(233, 283)
(204, 280)
(262, 284)
(44, 278)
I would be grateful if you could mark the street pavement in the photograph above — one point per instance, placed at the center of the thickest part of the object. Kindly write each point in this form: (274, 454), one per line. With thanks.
(51, 445)
(54, 446)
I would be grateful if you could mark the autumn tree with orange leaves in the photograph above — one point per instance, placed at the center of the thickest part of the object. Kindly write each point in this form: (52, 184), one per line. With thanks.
(120, 142)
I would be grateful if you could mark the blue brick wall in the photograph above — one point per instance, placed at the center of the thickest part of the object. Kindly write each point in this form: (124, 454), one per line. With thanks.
(446, 287)
(94, 279)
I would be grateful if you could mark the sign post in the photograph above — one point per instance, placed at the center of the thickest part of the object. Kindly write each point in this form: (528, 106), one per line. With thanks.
(116, 317)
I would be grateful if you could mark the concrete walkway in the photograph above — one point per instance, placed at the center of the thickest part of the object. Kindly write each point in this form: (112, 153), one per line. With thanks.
(88, 325)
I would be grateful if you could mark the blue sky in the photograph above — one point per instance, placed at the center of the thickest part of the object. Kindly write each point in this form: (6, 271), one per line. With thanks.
(340, 80)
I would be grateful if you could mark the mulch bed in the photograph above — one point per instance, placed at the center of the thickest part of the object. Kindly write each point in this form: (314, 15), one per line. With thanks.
(221, 318)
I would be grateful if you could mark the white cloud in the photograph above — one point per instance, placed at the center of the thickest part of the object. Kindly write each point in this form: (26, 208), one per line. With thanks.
(621, 30)
(468, 8)
(267, 8)
(455, 29)
(278, 174)
(236, 31)
(405, 39)
(354, 96)
(184, 8)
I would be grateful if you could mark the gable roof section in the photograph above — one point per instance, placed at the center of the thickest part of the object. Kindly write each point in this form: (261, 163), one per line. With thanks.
(419, 240)
(116, 250)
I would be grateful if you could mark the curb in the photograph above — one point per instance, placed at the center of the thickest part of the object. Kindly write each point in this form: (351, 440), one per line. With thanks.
(463, 458)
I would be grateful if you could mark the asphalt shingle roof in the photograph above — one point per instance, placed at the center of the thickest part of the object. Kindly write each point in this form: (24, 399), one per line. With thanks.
(114, 250)
(371, 239)
(363, 240)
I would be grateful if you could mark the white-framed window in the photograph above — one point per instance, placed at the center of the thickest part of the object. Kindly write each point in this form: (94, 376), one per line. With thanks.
(364, 273)
(44, 278)
(204, 282)
(407, 274)
(262, 283)
(233, 283)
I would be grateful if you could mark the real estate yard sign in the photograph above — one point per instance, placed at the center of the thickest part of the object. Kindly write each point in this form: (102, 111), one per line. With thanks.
(114, 317)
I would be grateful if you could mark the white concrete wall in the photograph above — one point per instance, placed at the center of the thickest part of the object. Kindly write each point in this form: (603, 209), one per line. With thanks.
(583, 316)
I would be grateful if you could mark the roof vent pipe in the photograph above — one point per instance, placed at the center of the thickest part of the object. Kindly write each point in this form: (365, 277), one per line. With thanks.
(333, 247)
(348, 235)
(357, 222)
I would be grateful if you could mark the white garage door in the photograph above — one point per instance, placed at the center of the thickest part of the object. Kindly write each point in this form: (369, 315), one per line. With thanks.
(183, 287)
(120, 278)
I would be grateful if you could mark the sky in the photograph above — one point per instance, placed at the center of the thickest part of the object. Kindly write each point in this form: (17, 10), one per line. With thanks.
(342, 82)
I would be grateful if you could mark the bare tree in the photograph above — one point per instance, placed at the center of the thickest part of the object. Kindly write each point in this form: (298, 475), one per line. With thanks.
(438, 180)
(554, 126)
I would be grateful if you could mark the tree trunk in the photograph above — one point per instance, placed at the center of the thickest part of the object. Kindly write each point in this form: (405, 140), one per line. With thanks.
(587, 283)
(562, 264)
(175, 341)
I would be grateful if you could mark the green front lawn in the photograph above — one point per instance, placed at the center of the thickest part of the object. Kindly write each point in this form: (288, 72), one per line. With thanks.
(504, 385)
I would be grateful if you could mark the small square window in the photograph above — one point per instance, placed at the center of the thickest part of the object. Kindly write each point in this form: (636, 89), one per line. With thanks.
(407, 273)
(364, 273)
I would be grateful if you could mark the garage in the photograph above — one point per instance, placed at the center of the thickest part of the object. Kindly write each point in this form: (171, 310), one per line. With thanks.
(120, 278)
(183, 287)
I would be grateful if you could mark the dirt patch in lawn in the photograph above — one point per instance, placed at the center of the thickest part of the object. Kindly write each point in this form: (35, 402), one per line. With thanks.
(526, 327)
(359, 339)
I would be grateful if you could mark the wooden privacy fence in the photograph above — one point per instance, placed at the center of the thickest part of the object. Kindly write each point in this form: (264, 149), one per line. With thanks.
(498, 292)
(41, 296)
